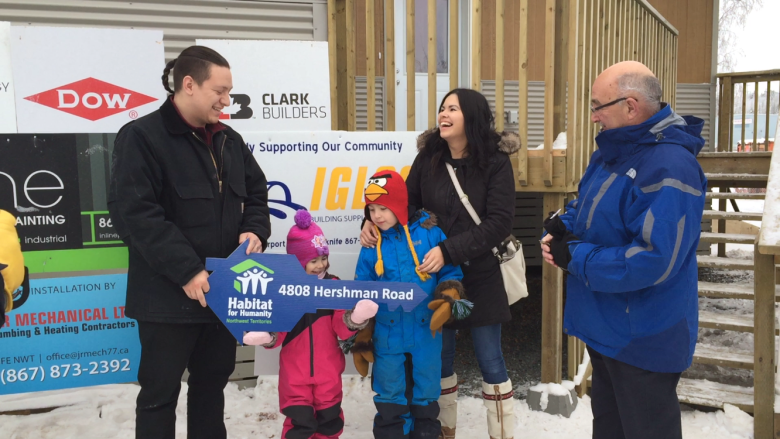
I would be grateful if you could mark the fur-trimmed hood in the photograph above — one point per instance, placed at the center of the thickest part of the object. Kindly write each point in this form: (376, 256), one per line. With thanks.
(509, 144)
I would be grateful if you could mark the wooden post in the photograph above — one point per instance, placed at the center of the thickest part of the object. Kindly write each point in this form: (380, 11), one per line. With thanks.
(552, 308)
(345, 48)
(768, 106)
(591, 73)
(584, 384)
(744, 111)
(755, 117)
(550, 56)
(574, 357)
(351, 67)
(454, 46)
(722, 223)
(500, 65)
(725, 119)
(333, 65)
(410, 70)
(476, 45)
(572, 106)
(522, 111)
(674, 73)
(432, 58)
(764, 345)
(390, 73)
(370, 67)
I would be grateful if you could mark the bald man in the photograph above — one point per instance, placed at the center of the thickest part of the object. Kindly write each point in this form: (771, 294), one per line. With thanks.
(629, 246)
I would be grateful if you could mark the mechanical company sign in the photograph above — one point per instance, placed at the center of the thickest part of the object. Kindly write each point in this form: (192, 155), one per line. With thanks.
(112, 79)
(294, 95)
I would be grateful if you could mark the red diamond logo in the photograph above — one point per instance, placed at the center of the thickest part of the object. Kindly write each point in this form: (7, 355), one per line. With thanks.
(91, 99)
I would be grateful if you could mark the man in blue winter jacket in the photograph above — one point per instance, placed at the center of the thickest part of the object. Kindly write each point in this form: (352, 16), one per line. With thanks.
(629, 245)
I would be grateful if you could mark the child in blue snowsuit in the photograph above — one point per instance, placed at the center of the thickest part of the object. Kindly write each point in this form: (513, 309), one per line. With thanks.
(407, 349)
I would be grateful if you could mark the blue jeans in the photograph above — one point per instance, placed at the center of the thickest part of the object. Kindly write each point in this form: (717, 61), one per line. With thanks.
(487, 346)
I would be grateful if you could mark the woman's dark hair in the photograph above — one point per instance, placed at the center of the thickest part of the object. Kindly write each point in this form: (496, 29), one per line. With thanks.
(194, 61)
(481, 136)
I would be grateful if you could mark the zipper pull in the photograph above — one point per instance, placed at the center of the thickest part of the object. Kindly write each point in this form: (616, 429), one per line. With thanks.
(220, 186)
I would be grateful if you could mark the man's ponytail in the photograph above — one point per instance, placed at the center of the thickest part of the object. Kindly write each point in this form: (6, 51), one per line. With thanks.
(166, 75)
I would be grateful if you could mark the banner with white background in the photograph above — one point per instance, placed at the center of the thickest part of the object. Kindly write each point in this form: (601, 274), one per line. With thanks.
(324, 172)
(7, 104)
(82, 80)
(278, 85)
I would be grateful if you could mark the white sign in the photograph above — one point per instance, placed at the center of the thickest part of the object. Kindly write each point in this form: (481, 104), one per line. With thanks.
(7, 104)
(74, 80)
(324, 172)
(278, 85)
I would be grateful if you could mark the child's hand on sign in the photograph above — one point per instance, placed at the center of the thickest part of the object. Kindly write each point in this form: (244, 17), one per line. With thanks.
(364, 310)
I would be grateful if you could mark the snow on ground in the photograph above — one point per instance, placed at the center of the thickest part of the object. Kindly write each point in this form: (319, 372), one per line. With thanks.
(108, 412)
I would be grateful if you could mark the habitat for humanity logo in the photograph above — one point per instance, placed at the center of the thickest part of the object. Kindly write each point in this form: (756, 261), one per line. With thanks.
(91, 99)
(250, 274)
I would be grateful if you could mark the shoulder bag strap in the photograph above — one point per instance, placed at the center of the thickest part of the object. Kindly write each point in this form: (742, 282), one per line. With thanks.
(465, 199)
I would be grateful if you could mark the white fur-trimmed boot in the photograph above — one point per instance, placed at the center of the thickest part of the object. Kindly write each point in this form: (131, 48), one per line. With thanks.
(500, 403)
(448, 406)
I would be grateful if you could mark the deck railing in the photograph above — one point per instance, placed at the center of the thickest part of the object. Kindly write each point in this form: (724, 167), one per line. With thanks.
(766, 249)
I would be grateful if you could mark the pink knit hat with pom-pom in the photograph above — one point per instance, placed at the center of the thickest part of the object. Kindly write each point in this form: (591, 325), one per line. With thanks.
(305, 239)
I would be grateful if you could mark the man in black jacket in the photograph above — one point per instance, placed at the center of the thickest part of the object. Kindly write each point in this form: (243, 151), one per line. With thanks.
(184, 187)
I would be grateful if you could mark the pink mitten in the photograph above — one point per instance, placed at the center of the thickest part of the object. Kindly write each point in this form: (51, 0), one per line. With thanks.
(364, 310)
(256, 338)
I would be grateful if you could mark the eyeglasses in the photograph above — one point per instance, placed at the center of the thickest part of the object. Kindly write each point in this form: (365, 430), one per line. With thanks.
(608, 104)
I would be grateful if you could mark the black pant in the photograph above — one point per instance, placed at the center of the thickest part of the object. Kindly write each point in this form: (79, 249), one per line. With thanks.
(208, 351)
(633, 403)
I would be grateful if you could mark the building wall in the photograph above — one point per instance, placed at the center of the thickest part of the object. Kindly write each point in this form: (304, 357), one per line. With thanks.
(692, 18)
(181, 22)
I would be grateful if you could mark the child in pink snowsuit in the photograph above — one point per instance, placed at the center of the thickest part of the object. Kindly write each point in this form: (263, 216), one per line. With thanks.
(311, 361)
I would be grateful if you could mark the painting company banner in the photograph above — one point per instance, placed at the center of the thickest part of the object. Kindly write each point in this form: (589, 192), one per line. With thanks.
(77, 80)
(278, 85)
(69, 332)
(40, 186)
(7, 104)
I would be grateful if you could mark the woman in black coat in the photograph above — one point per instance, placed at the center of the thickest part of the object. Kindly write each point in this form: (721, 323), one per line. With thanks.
(466, 140)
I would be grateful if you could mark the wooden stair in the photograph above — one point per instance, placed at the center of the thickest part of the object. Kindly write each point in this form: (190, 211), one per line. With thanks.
(723, 356)
(734, 196)
(732, 238)
(733, 216)
(724, 263)
(729, 291)
(736, 180)
(728, 322)
(712, 394)
(700, 391)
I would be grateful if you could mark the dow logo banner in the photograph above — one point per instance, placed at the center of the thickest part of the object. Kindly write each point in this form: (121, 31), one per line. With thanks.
(266, 292)
(112, 78)
(91, 99)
